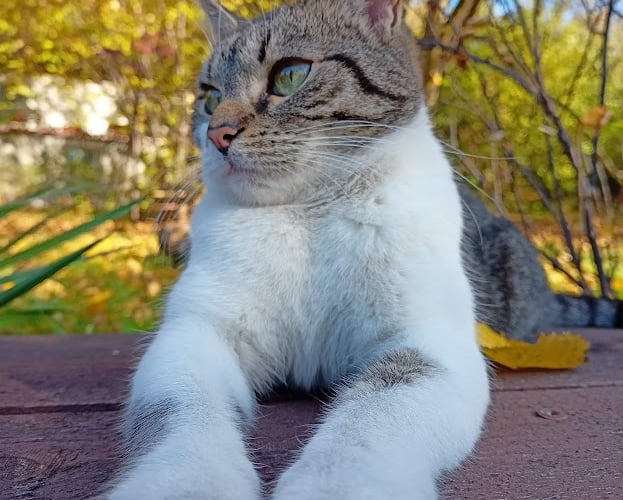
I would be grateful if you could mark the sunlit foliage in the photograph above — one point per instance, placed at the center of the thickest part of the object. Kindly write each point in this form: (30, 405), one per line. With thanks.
(151, 50)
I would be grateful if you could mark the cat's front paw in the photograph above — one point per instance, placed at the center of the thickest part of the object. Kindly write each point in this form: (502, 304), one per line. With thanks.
(189, 484)
(324, 481)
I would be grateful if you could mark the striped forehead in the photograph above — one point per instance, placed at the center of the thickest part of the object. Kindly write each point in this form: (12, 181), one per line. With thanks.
(248, 51)
(234, 65)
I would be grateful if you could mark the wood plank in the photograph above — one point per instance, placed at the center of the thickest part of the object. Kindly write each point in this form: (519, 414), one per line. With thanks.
(59, 400)
(56, 455)
(523, 455)
(61, 371)
(71, 455)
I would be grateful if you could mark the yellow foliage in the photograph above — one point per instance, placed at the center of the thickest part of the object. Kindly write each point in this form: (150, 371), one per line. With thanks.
(551, 351)
(96, 304)
(51, 289)
(154, 288)
(597, 117)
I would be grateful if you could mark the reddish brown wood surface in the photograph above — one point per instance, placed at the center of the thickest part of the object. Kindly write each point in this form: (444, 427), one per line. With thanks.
(60, 400)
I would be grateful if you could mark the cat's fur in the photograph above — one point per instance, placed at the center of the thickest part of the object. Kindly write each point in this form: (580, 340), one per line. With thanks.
(326, 253)
(512, 293)
(511, 290)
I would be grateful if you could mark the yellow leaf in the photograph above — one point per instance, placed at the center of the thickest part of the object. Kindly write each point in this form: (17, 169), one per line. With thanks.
(552, 351)
(97, 302)
(597, 117)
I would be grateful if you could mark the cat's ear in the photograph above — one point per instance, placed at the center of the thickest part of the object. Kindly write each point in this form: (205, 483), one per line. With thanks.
(385, 15)
(222, 22)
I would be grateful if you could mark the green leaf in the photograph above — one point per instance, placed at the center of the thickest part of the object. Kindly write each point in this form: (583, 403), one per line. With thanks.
(33, 279)
(55, 241)
(30, 230)
(44, 194)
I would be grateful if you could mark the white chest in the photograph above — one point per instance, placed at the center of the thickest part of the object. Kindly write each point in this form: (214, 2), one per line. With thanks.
(305, 296)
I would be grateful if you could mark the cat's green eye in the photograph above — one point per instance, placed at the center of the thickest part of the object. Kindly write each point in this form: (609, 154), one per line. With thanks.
(212, 100)
(287, 76)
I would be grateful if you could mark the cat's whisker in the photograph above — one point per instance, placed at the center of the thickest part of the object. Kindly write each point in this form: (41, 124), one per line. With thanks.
(474, 185)
(459, 152)
(316, 165)
(349, 144)
(343, 163)
(339, 124)
(350, 166)
(345, 139)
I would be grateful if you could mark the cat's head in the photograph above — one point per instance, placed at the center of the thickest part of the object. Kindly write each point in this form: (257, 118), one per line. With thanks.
(299, 98)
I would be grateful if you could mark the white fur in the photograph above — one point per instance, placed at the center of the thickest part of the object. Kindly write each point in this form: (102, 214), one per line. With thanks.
(289, 294)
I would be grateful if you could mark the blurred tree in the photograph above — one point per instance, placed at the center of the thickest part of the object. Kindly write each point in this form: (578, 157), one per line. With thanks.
(150, 50)
(532, 91)
(533, 94)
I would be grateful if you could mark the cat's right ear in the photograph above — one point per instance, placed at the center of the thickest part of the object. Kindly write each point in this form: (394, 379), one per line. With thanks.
(222, 23)
(384, 15)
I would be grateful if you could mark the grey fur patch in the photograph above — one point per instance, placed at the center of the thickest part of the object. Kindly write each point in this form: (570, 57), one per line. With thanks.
(398, 368)
(145, 425)
(510, 287)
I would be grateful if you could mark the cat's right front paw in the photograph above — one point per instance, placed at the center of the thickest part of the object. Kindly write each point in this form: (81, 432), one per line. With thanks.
(191, 483)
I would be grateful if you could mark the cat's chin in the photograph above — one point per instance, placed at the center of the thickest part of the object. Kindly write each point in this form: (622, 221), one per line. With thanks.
(246, 186)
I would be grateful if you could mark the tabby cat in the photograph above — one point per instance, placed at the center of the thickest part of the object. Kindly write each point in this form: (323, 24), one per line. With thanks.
(325, 254)
(512, 293)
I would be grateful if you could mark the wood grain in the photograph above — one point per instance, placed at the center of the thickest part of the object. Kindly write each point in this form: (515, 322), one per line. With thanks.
(60, 400)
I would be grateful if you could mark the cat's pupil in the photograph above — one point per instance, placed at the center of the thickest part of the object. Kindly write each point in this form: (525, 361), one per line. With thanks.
(289, 78)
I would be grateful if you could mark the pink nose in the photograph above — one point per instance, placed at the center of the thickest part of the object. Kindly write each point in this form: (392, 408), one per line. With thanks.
(222, 137)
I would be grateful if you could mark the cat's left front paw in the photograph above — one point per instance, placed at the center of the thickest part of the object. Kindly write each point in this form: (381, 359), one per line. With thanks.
(327, 481)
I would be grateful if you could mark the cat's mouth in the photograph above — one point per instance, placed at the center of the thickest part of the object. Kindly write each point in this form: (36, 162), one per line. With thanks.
(236, 169)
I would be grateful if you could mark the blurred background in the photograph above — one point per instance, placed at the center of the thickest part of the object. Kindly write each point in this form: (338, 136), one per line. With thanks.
(98, 172)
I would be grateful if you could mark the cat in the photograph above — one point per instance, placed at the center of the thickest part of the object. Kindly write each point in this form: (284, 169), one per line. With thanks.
(326, 253)
(512, 293)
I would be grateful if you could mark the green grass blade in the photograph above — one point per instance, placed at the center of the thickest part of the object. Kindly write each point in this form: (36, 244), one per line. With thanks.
(55, 241)
(19, 275)
(34, 228)
(40, 195)
(24, 285)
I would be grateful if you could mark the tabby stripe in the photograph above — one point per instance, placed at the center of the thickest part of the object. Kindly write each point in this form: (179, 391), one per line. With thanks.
(262, 55)
(315, 104)
(233, 51)
(338, 115)
(364, 82)
(618, 320)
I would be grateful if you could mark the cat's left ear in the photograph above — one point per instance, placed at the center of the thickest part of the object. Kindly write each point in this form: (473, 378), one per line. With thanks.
(222, 22)
(385, 15)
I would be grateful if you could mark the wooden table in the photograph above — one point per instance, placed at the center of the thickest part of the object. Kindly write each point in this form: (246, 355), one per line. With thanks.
(60, 403)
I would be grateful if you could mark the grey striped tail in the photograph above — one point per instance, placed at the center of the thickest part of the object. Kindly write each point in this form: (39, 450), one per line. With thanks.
(588, 311)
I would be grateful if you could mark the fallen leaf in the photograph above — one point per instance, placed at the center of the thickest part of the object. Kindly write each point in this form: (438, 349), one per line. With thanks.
(556, 351)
